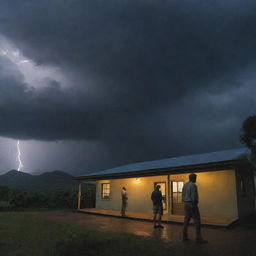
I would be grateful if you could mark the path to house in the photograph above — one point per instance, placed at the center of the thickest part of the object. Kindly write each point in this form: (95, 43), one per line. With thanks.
(236, 241)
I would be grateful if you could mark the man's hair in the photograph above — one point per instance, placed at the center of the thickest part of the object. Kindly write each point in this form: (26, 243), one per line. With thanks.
(124, 188)
(192, 176)
(158, 186)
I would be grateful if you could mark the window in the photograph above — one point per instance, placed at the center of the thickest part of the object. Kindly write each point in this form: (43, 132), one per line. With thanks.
(177, 191)
(243, 187)
(163, 190)
(105, 190)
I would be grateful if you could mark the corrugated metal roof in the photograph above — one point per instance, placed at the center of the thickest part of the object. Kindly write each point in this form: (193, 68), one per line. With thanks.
(190, 160)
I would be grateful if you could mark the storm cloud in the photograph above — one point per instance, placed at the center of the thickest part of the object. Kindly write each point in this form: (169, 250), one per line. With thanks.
(145, 79)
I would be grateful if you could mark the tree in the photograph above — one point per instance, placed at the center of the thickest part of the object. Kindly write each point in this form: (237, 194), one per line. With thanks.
(248, 136)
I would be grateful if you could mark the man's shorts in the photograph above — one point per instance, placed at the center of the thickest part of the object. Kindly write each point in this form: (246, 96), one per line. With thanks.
(158, 209)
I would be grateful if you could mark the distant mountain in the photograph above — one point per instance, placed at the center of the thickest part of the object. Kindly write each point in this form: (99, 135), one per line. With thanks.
(48, 181)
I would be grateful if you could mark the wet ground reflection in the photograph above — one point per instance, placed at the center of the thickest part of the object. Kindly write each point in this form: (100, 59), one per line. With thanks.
(142, 233)
(141, 228)
(222, 242)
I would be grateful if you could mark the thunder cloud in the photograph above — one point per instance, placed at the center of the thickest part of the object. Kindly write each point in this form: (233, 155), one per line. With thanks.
(145, 79)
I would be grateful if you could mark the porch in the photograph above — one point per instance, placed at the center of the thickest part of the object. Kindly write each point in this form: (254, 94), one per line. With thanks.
(206, 221)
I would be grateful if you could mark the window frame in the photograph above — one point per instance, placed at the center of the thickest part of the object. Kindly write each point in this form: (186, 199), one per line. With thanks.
(178, 197)
(105, 192)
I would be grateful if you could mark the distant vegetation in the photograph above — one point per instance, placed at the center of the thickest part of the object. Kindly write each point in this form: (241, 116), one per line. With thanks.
(58, 199)
(12, 200)
(53, 190)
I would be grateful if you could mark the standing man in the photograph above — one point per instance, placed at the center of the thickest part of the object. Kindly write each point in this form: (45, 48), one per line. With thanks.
(191, 199)
(157, 200)
(124, 197)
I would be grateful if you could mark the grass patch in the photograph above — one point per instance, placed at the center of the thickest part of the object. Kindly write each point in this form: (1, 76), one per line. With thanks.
(25, 233)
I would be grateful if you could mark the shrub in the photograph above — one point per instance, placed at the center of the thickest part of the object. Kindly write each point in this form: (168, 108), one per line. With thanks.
(57, 199)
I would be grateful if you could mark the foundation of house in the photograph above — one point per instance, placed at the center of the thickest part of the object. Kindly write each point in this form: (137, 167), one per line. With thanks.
(206, 221)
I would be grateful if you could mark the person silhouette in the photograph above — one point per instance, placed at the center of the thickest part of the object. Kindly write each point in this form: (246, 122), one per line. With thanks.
(157, 200)
(190, 198)
(124, 198)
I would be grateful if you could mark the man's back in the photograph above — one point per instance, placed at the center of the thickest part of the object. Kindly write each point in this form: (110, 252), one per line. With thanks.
(124, 195)
(156, 197)
(189, 192)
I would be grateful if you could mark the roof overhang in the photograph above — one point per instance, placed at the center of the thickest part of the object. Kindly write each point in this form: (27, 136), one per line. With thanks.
(218, 166)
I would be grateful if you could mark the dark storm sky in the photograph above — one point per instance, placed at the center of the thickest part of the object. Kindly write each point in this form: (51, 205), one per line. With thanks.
(89, 84)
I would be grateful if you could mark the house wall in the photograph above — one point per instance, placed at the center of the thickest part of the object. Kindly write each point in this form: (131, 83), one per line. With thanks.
(217, 193)
(139, 193)
(246, 196)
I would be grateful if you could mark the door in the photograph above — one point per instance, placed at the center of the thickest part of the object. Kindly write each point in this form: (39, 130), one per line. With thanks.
(176, 195)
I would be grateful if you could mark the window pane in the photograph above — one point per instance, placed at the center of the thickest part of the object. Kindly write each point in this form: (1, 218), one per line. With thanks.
(175, 197)
(179, 197)
(164, 204)
(180, 186)
(174, 186)
(105, 190)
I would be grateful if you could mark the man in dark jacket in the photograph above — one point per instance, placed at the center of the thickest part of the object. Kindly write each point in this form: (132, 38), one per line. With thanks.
(157, 200)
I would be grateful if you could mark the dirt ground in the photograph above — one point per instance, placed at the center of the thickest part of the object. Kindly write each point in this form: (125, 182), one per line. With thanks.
(239, 240)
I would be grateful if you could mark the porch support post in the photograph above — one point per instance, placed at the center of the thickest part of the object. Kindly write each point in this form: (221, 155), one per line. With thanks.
(168, 194)
(79, 196)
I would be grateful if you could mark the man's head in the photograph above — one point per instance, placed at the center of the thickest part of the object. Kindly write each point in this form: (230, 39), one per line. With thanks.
(124, 188)
(158, 187)
(192, 177)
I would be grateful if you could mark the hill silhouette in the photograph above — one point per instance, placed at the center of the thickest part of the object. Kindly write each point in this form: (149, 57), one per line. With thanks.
(48, 181)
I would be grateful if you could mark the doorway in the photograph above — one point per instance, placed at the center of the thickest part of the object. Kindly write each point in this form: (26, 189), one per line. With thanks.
(176, 197)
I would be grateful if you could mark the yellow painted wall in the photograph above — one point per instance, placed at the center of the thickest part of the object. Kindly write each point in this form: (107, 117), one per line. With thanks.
(139, 193)
(217, 193)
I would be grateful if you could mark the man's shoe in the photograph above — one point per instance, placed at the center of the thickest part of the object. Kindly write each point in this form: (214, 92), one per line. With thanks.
(160, 226)
(185, 239)
(201, 241)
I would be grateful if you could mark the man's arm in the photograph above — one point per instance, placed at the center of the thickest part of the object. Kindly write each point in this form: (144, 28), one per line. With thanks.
(152, 196)
(183, 193)
(194, 194)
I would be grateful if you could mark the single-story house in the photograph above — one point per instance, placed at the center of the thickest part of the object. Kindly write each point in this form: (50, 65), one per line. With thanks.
(225, 179)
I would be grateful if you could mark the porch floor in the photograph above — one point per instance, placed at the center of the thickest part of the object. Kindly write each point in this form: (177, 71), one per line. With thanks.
(206, 221)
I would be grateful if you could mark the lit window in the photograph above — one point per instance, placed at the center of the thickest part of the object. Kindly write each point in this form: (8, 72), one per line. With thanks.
(177, 191)
(105, 190)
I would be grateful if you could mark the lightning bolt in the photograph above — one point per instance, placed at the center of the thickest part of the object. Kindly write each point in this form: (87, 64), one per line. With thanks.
(18, 156)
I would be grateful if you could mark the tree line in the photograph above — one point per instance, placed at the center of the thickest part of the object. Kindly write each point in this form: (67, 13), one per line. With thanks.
(11, 199)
